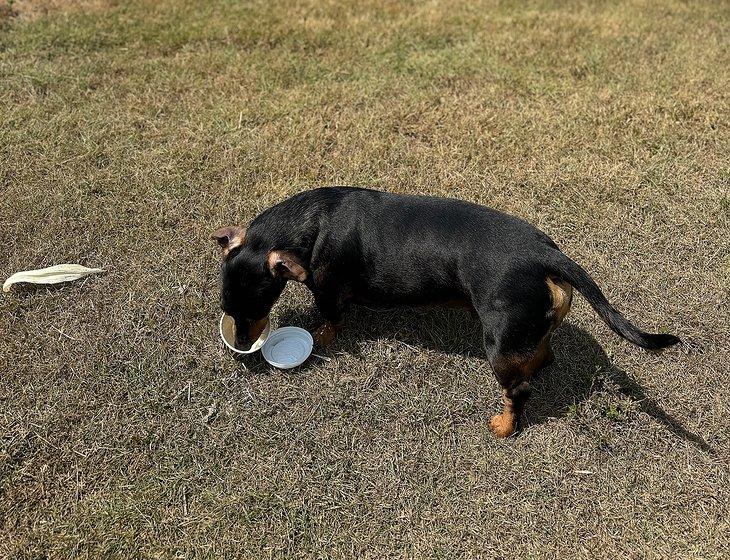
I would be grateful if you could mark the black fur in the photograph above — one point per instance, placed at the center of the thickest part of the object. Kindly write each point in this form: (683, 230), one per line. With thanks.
(574, 274)
(376, 248)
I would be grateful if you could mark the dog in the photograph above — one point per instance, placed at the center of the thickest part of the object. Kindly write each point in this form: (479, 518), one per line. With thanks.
(362, 246)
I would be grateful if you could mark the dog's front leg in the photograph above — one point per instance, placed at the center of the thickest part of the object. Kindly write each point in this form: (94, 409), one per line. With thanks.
(331, 308)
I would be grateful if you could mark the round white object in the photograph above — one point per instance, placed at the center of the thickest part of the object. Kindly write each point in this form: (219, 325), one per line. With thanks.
(287, 347)
(227, 328)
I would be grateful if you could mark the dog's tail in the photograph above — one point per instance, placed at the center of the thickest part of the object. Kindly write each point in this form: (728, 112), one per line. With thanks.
(564, 267)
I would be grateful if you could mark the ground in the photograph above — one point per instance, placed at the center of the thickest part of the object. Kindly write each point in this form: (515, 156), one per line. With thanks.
(129, 131)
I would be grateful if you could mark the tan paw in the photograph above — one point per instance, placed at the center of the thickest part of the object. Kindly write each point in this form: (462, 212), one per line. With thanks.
(324, 335)
(502, 425)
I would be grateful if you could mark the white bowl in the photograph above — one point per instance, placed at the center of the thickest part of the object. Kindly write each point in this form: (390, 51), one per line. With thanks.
(287, 347)
(227, 328)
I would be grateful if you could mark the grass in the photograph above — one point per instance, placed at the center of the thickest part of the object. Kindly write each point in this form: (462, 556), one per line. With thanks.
(130, 130)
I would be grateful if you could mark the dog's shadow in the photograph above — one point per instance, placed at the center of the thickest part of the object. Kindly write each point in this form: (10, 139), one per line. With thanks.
(581, 366)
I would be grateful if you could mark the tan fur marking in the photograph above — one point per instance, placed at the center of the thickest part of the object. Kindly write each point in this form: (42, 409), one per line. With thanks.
(561, 294)
(229, 238)
(529, 364)
(256, 328)
(325, 334)
(286, 264)
(463, 303)
(503, 425)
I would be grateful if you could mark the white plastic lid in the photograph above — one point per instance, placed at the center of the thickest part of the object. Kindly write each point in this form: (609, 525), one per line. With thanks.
(287, 347)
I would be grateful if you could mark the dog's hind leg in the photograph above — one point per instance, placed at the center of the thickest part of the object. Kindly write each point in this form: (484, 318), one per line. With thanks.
(517, 329)
(514, 372)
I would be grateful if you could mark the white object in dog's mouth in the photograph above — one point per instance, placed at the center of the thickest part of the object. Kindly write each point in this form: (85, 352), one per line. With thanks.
(227, 328)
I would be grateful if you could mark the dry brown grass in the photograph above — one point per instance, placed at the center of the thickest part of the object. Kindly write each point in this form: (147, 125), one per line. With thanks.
(129, 133)
(33, 9)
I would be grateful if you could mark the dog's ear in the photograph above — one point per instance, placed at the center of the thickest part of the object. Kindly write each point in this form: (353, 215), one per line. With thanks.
(229, 238)
(285, 264)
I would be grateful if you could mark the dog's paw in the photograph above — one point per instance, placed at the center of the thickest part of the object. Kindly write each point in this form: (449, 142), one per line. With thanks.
(502, 426)
(325, 334)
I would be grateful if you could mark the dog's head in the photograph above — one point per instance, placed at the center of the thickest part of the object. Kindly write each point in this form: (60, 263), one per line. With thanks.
(252, 280)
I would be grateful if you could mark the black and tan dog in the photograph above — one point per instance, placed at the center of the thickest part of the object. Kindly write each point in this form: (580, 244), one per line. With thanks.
(363, 246)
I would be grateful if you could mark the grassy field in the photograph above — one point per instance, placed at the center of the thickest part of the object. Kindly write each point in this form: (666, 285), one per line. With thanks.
(130, 130)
